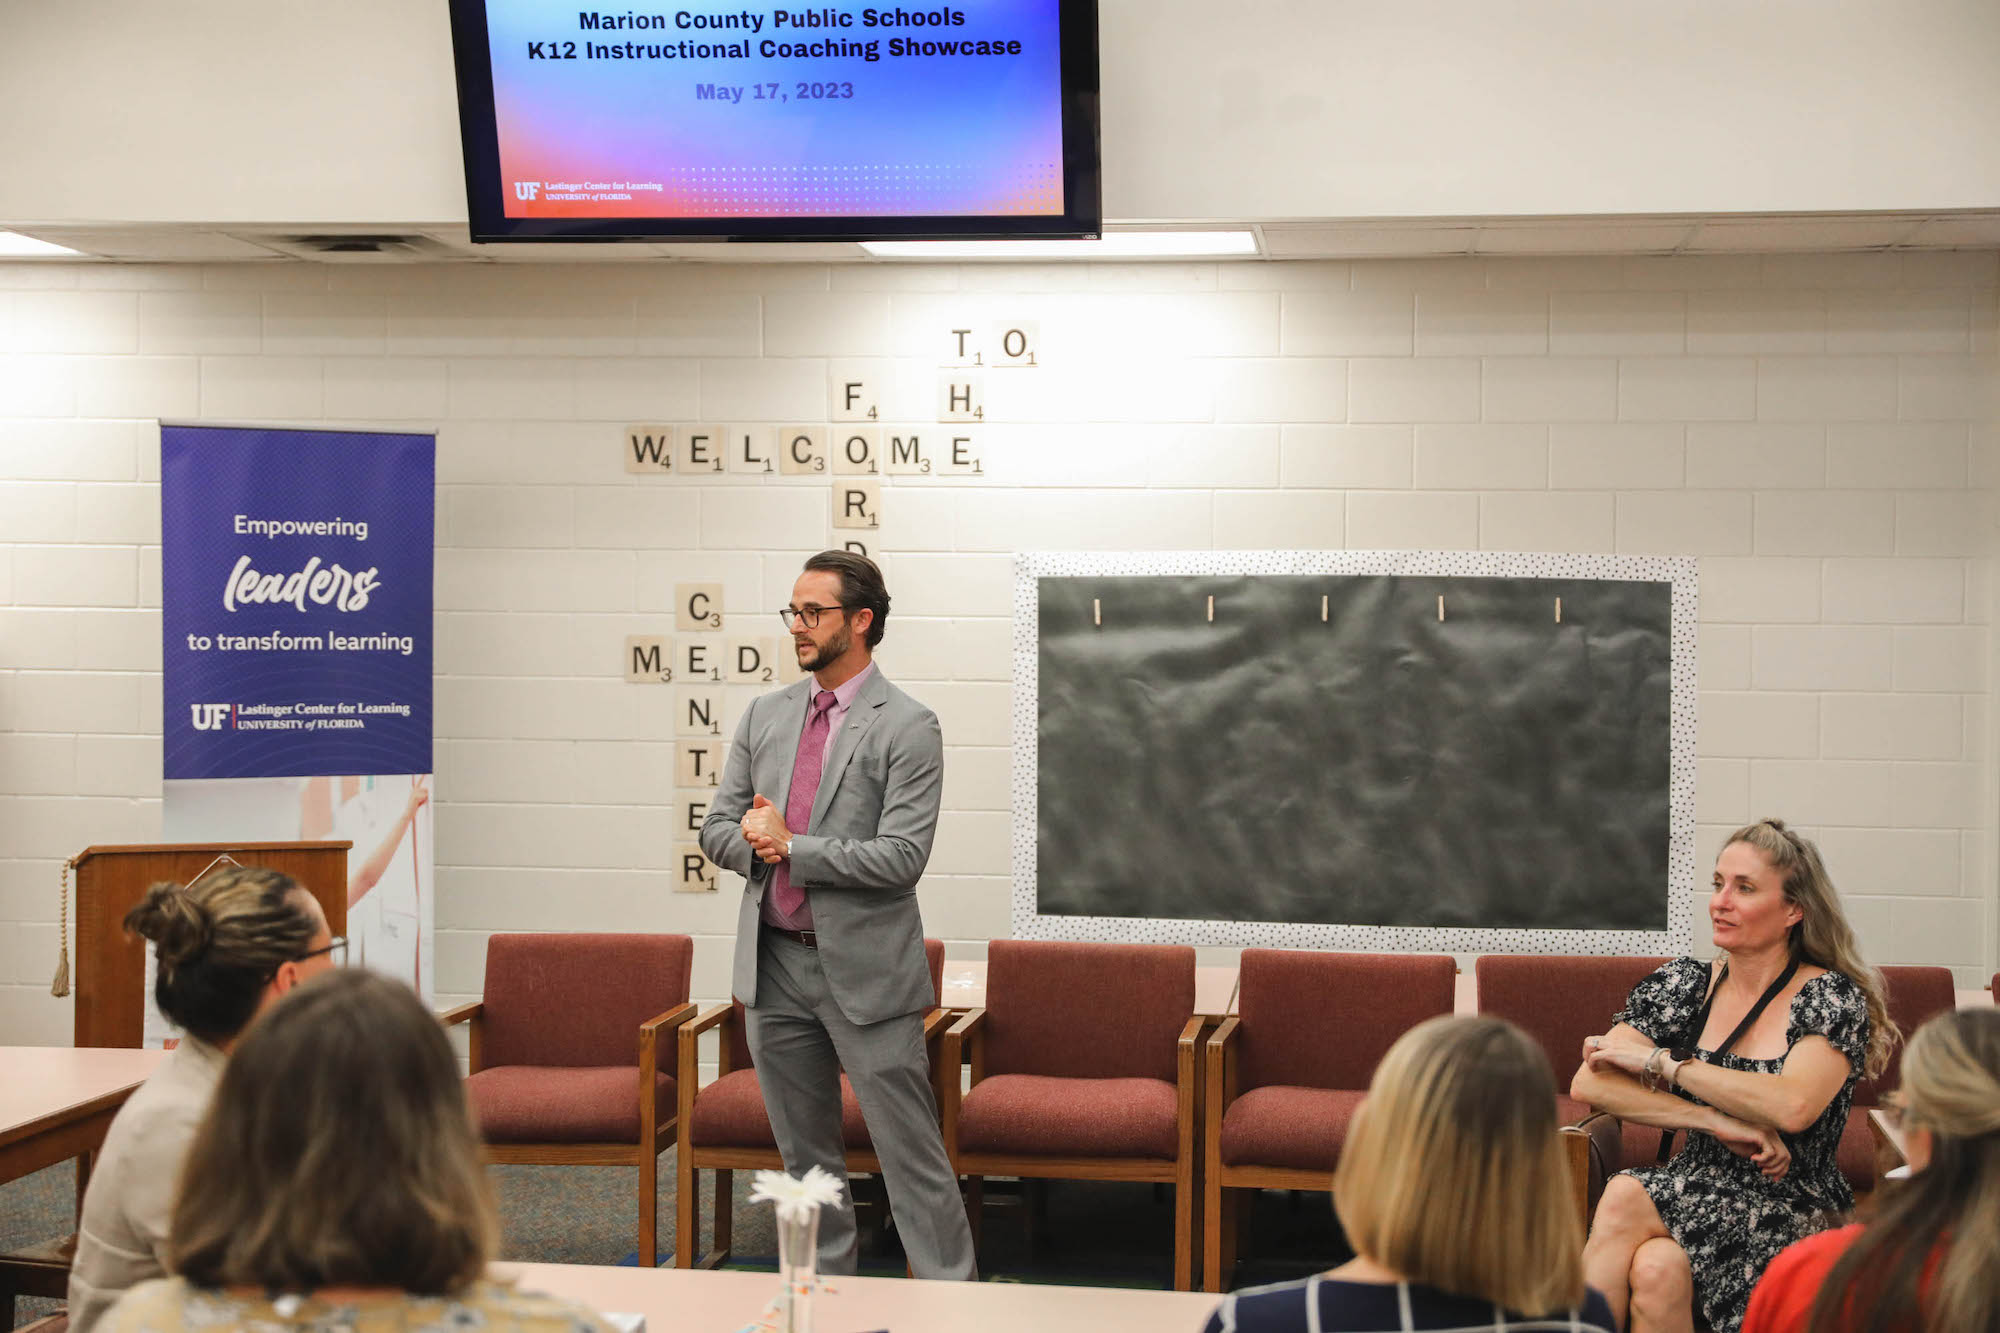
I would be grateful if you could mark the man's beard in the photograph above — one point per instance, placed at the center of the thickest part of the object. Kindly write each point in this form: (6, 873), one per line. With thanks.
(835, 649)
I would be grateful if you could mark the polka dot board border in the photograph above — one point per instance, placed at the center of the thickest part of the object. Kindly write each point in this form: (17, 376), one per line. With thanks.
(1680, 572)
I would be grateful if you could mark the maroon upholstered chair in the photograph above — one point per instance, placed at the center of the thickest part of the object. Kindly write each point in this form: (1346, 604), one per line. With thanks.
(565, 1046)
(1559, 999)
(1916, 996)
(724, 1127)
(1285, 1074)
(1083, 1068)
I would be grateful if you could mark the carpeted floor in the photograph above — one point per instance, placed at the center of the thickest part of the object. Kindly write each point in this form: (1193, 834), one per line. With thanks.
(1063, 1232)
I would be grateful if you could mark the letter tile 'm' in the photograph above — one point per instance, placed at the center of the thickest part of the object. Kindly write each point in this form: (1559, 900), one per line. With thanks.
(904, 453)
(646, 660)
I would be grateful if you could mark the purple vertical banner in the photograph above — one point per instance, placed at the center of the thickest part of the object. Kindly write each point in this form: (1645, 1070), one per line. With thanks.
(296, 570)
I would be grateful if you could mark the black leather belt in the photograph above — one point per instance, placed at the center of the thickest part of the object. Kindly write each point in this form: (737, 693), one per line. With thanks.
(806, 937)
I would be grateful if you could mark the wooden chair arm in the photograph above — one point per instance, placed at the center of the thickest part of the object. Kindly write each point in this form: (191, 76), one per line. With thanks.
(963, 1030)
(959, 1036)
(473, 1014)
(1220, 1074)
(1189, 1041)
(649, 1041)
(1188, 1085)
(1575, 1144)
(709, 1021)
(669, 1020)
(1890, 1149)
(688, 1067)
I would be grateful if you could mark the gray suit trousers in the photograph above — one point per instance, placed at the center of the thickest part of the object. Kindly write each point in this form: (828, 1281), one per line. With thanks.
(801, 1043)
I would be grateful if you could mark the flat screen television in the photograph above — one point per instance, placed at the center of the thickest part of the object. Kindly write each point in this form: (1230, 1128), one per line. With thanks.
(711, 119)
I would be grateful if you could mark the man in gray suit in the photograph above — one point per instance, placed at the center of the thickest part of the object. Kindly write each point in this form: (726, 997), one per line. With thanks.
(827, 804)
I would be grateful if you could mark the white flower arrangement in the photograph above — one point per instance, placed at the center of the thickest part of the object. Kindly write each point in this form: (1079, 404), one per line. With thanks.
(797, 1199)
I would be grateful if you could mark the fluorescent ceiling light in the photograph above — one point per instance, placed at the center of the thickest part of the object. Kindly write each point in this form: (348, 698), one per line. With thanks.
(1112, 245)
(13, 245)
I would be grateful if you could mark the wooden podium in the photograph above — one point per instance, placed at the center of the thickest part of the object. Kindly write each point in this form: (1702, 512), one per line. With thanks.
(110, 970)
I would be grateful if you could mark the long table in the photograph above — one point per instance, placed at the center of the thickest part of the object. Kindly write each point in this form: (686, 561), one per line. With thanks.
(57, 1101)
(698, 1301)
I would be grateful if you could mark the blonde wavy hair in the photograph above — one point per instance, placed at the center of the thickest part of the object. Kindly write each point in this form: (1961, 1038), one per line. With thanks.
(1948, 1214)
(1823, 936)
(1452, 1175)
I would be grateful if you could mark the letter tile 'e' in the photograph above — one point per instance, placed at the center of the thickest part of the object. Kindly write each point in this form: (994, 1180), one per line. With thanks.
(702, 451)
(690, 808)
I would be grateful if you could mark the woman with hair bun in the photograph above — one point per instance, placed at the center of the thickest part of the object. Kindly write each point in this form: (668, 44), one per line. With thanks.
(228, 945)
(1925, 1262)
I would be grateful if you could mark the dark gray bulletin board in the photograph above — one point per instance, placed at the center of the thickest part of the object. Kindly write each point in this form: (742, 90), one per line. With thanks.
(1316, 757)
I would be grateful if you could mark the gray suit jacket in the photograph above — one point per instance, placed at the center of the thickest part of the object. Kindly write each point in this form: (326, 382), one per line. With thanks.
(872, 825)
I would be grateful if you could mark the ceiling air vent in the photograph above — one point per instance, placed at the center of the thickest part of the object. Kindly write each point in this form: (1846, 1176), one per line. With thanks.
(358, 247)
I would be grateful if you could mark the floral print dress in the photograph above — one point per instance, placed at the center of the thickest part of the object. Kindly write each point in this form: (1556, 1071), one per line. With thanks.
(1718, 1206)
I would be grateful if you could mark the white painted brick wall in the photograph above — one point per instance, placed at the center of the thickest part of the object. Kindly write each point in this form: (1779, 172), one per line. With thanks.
(1820, 430)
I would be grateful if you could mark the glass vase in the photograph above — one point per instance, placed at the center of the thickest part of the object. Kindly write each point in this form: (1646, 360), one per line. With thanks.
(798, 1265)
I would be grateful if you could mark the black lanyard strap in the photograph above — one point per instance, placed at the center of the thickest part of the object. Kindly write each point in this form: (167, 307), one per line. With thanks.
(1692, 1033)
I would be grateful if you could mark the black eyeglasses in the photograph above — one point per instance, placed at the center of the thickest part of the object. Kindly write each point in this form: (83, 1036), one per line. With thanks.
(808, 615)
(338, 946)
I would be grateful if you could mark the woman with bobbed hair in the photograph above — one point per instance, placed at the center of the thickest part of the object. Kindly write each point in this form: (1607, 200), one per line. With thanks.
(1928, 1261)
(337, 1183)
(1756, 1055)
(1454, 1194)
(227, 946)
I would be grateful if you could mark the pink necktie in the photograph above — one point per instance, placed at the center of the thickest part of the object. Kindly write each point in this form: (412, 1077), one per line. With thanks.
(787, 897)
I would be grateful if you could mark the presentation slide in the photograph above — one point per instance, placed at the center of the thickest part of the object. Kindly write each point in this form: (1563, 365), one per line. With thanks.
(721, 111)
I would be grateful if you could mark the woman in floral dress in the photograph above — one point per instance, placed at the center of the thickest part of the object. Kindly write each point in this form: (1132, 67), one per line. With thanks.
(1756, 1055)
